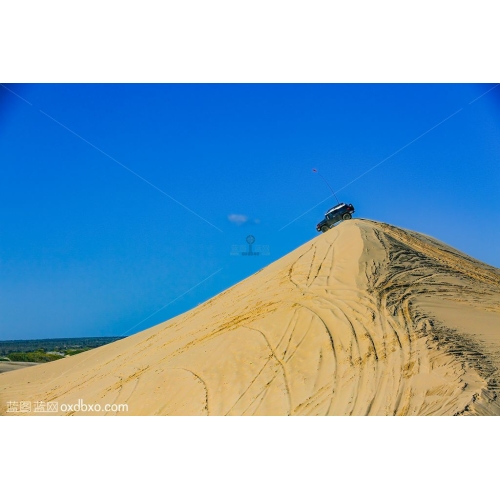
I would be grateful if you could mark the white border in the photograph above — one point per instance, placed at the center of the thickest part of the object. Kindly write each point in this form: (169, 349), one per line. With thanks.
(261, 457)
(249, 41)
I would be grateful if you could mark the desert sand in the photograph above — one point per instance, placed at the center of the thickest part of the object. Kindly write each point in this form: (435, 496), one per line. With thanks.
(8, 366)
(366, 319)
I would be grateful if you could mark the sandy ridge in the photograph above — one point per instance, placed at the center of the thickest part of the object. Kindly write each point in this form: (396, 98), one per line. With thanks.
(366, 319)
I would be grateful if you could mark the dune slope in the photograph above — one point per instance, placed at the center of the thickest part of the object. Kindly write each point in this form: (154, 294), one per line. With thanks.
(366, 319)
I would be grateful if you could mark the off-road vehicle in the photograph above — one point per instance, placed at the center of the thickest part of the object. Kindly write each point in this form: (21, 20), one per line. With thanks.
(339, 212)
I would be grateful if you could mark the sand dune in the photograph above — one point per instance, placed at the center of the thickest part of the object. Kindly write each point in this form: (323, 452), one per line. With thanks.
(366, 319)
(8, 366)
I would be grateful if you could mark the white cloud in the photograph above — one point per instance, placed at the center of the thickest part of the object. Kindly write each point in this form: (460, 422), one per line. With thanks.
(237, 219)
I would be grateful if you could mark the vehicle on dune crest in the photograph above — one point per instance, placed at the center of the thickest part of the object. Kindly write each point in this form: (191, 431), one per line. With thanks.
(342, 211)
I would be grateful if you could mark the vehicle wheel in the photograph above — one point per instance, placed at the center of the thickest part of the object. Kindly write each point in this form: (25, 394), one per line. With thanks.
(347, 216)
(324, 229)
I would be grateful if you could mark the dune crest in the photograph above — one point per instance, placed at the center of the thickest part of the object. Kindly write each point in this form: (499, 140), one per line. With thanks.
(366, 319)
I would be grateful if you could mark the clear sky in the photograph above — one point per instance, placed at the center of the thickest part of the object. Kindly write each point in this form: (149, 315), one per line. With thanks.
(119, 201)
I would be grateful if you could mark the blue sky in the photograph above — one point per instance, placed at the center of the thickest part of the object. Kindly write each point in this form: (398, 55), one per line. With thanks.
(116, 200)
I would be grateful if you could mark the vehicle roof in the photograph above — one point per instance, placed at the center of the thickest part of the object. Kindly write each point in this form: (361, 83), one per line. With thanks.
(336, 207)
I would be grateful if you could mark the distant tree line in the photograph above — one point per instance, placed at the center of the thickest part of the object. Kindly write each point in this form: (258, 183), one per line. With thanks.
(34, 356)
(8, 347)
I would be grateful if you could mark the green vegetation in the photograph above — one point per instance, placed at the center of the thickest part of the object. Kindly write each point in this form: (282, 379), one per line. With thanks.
(34, 356)
(54, 345)
(43, 351)
(41, 355)
(72, 352)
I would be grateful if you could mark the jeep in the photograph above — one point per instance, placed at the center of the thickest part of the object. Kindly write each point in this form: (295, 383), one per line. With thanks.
(339, 212)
